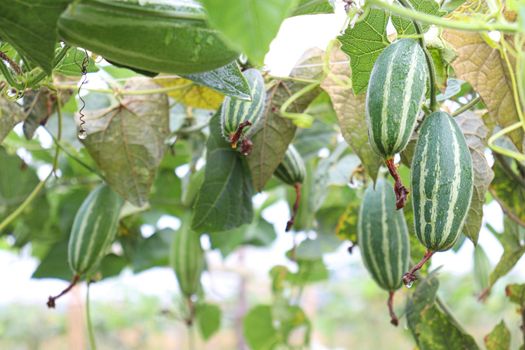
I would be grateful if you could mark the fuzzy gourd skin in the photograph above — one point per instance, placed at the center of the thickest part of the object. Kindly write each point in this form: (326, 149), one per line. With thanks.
(169, 37)
(383, 236)
(442, 182)
(240, 118)
(395, 93)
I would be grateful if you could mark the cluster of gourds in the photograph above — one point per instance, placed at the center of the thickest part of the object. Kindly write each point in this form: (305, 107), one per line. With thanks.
(441, 170)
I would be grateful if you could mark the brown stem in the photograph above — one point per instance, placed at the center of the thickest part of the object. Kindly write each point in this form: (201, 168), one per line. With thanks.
(12, 63)
(191, 315)
(399, 189)
(523, 323)
(410, 276)
(484, 294)
(290, 222)
(238, 133)
(393, 318)
(51, 300)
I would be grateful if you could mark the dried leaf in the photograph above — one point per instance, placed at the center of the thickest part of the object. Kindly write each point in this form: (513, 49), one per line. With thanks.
(476, 133)
(191, 94)
(350, 110)
(10, 115)
(127, 141)
(483, 67)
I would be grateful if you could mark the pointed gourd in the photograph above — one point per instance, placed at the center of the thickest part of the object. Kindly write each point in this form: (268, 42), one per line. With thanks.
(442, 182)
(94, 229)
(187, 258)
(155, 36)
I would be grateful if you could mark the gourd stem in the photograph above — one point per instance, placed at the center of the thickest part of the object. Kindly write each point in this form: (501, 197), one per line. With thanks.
(295, 208)
(393, 318)
(428, 57)
(91, 333)
(410, 276)
(466, 106)
(473, 25)
(234, 139)
(298, 116)
(400, 190)
(51, 300)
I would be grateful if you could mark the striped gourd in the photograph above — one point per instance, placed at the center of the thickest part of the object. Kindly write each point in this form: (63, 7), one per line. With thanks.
(94, 228)
(442, 180)
(187, 258)
(291, 170)
(156, 36)
(239, 117)
(383, 236)
(394, 96)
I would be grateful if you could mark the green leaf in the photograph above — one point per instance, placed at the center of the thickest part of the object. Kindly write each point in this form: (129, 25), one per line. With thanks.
(54, 264)
(363, 43)
(127, 141)
(153, 251)
(30, 27)
(476, 133)
(111, 265)
(498, 338)
(406, 27)
(248, 25)
(347, 224)
(310, 271)
(309, 141)
(208, 319)
(71, 64)
(259, 329)
(312, 7)
(259, 233)
(294, 325)
(508, 188)
(513, 250)
(271, 141)
(10, 115)
(516, 293)
(481, 268)
(432, 327)
(224, 201)
(350, 110)
(227, 80)
(17, 181)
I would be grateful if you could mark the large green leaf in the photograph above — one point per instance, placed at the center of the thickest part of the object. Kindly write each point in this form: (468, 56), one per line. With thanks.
(259, 233)
(71, 64)
(127, 141)
(498, 338)
(481, 268)
(432, 327)
(17, 181)
(476, 134)
(30, 27)
(513, 250)
(10, 115)
(224, 201)
(363, 43)
(406, 27)
(54, 264)
(153, 251)
(208, 319)
(508, 188)
(259, 329)
(311, 7)
(350, 110)
(248, 25)
(227, 80)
